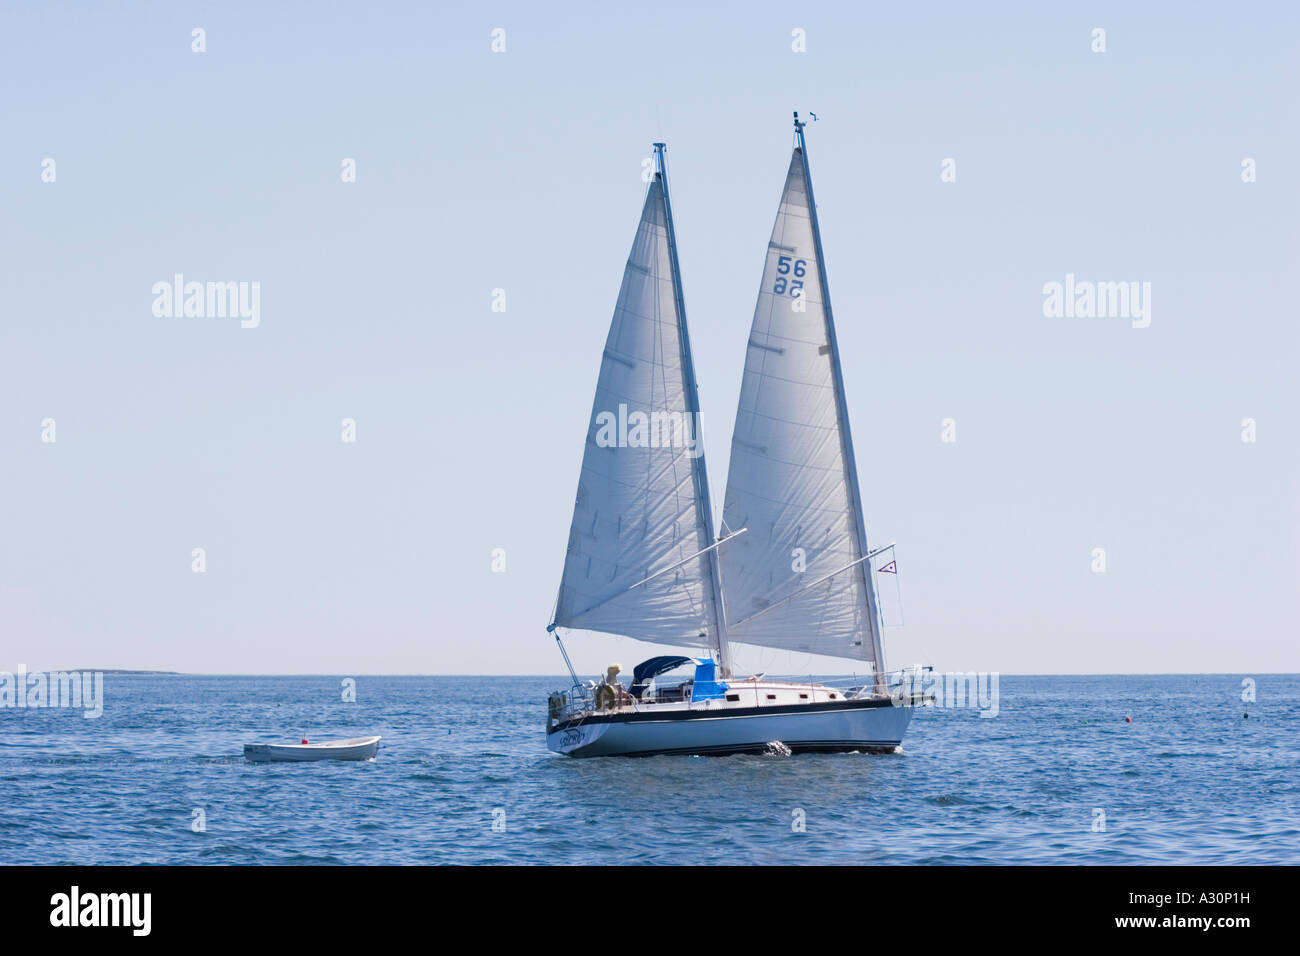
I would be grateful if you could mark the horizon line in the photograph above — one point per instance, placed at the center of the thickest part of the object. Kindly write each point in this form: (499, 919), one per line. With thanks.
(151, 672)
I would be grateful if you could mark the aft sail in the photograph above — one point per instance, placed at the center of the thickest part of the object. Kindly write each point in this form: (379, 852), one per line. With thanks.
(641, 560)
(799, 579)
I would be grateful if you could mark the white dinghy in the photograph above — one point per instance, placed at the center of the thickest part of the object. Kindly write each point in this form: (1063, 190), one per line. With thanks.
(354, 748)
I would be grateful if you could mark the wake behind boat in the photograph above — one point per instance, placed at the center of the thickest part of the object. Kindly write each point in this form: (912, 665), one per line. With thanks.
(791, 569)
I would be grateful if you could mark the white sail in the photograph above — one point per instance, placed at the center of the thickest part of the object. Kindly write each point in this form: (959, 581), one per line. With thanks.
(634, 564)
(796, 580)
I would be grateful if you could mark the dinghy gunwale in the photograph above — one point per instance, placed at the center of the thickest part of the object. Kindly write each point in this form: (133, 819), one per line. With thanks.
(349, 748)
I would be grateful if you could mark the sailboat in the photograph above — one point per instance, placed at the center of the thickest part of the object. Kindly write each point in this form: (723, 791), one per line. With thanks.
(791, 569)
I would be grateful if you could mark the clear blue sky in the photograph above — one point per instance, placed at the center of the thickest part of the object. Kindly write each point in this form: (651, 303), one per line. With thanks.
(521, 171)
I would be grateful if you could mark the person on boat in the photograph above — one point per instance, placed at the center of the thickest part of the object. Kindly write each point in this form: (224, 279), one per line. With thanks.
(610, 692)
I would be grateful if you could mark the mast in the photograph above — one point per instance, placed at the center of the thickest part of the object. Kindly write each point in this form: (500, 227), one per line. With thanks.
(699, 473)
(841, 407)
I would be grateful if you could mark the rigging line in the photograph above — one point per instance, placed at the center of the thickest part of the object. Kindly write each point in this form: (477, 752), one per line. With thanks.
(898, 590)
(661, 352)
(925, 651)
(920, 644)
(567, 663)
(550, 628)
(661, 355)
(554, 607)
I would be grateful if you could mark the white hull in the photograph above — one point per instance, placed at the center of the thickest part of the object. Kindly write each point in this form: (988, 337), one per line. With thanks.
(869, 726)
(355, 748)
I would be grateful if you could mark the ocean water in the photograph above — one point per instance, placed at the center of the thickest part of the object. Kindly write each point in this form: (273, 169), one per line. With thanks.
(1188, 781)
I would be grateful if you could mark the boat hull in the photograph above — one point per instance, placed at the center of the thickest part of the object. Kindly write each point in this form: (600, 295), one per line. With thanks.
(863, 726)
(356, 748)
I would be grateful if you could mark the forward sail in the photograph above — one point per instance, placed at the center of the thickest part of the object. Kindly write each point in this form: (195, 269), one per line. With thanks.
(799, 579)
(641, 560)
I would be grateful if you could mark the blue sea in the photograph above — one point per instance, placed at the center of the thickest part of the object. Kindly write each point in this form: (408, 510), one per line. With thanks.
(463, 776)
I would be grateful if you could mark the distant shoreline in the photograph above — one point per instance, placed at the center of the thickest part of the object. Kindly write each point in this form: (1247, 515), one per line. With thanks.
(119, 671)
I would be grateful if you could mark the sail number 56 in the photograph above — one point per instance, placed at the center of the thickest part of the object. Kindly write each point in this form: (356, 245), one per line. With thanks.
(785, 266)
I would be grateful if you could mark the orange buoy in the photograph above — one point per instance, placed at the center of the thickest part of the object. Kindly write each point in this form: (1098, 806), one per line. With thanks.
(1127, 720)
